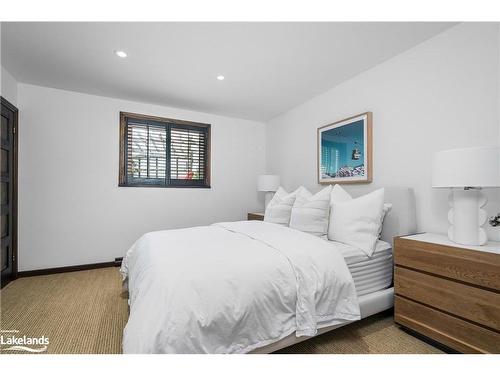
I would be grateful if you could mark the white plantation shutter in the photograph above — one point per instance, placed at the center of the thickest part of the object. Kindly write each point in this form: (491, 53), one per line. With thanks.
(187, 150)
(147, 152)
(167, 154)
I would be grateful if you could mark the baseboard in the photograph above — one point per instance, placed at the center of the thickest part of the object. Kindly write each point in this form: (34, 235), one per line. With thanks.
(81, 267)
(4, 281)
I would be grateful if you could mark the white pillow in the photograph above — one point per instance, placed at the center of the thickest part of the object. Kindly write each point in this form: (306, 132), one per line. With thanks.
(310, 213)
(278, 211)
(357, 221)
(339, 195)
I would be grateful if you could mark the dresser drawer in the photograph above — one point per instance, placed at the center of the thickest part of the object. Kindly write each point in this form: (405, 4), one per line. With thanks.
(474, 267)
(475, 304)
(451, 331)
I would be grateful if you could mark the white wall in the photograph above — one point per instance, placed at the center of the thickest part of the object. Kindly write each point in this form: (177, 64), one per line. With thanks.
(8, 86)
(439, 95)
(71, 210)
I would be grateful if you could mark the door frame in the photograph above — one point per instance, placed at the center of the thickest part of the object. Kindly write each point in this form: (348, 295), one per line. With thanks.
(15, 145)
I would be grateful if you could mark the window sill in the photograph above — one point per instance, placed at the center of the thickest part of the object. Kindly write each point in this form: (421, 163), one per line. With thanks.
(167, 186)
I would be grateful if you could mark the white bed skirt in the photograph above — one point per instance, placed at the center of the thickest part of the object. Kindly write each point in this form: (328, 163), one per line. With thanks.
(369, 304)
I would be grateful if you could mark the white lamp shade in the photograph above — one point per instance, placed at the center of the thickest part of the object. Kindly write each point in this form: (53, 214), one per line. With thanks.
(467, 167)
(268, 182)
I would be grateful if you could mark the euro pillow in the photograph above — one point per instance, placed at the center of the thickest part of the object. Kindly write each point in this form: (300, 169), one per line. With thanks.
(310, 213)
(357, 222)
(279, 209)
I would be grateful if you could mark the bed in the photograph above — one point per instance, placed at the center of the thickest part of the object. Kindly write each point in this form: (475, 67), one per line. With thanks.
(253, 287)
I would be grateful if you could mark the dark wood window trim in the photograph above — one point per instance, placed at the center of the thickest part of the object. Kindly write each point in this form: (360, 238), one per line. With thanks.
(169, 124)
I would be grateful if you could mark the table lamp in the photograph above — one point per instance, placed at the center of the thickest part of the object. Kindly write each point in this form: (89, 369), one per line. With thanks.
(268, 183)
(465, 171)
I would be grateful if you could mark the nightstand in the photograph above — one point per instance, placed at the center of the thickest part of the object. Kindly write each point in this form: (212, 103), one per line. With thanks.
(255, 216)
(448, 292)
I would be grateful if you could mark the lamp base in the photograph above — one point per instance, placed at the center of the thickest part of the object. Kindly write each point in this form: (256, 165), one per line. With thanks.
(268, 197)
(466, 216)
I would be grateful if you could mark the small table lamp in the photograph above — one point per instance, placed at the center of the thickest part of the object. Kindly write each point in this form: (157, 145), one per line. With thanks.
(466, 171)
(268, 183)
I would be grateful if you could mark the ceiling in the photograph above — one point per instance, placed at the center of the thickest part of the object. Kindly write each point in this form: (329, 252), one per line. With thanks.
(268, 67)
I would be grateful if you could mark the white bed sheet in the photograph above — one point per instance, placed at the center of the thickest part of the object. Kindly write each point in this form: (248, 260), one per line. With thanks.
(353, 255)
(369, 304)
(231, 288)
(372, 278)
(370, 274)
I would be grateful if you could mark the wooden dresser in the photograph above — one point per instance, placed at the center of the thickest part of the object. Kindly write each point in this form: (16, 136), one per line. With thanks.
(448, 292)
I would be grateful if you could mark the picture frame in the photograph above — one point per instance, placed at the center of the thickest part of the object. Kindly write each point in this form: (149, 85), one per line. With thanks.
(344, 151)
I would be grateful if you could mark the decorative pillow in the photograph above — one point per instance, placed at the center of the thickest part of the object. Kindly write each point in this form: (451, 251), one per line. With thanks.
(339, 195)
(357, 221)
(278, 211)
(310, 213)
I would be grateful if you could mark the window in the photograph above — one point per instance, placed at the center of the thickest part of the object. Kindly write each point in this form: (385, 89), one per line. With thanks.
(163, 152)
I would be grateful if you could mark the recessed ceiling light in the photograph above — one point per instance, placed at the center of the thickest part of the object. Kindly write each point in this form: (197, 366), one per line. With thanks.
(121, 54)
(220, 78)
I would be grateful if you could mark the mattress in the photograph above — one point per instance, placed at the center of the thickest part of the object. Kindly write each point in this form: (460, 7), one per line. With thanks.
(370, 274)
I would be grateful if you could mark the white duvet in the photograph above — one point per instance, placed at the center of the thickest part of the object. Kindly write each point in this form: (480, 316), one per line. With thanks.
(232, 288)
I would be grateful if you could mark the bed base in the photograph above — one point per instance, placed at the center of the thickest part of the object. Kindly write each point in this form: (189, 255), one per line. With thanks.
(369, 304)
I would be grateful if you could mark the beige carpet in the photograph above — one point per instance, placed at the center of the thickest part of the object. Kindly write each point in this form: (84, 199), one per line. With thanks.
(85, 312)
(80, 312)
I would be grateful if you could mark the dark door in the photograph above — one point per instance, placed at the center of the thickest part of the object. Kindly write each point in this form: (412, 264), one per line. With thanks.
(8, 192)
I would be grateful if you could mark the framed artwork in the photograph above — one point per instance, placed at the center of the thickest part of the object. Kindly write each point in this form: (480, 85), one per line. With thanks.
(345, 151)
